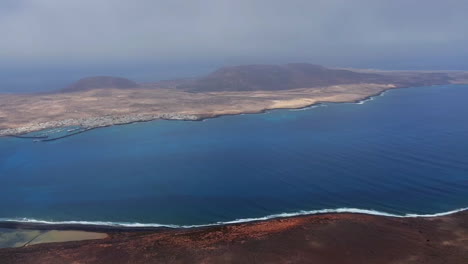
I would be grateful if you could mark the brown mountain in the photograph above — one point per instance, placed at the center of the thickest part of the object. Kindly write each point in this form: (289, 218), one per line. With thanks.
(303, 75)
(99, 82)
(277, 77)
(271, 78)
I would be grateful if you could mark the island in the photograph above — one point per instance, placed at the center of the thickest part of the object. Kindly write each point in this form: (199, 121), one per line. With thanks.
(104, 101)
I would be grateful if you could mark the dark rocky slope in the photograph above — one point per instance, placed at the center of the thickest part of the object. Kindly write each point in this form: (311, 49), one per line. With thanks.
(300, 75)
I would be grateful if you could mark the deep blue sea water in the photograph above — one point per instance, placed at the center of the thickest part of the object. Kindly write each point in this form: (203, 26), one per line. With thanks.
(403, 152)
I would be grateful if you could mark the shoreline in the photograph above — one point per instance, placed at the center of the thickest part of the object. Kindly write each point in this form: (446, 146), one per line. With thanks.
(323, 238)
(127, 226)
(137, 118)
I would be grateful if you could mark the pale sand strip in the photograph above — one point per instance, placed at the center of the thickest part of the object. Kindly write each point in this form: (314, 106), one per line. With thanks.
(64, 236)
(22, 238)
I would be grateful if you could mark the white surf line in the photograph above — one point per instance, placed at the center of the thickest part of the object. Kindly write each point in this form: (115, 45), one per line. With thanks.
(237, 221)
(324, 104)
(308, 107)
(371, 98)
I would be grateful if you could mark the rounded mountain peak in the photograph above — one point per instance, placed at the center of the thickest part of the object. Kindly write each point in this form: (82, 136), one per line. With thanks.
(100, 82)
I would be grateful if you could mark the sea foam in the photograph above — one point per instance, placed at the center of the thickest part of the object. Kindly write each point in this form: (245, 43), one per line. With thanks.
(237, 221)
(371, 98)
(308, 107)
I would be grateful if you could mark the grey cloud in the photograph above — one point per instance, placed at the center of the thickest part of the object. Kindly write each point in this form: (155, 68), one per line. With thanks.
(93, 30)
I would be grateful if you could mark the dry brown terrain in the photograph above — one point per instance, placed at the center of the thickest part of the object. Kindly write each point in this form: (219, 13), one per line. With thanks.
(25, 111)
(324, 239)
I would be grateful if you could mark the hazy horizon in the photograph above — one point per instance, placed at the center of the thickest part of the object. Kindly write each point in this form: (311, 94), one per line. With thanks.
(50, 43)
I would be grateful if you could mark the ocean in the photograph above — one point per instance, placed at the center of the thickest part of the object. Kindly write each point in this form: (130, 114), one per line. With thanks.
(403, 153)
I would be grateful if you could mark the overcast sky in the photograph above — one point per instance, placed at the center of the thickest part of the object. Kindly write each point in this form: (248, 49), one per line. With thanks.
(382, 33)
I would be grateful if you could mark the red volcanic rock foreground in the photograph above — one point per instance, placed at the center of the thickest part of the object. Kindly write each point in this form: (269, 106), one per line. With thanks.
(332, 238)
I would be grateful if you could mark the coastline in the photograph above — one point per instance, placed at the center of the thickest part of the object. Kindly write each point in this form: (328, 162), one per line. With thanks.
(127, 226)
(322, 238)
(87, 124)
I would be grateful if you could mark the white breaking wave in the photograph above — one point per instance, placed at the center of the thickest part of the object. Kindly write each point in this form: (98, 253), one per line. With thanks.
(242, 220)
(365, 100)
(368, 99)
(308, 107)
(371, 98)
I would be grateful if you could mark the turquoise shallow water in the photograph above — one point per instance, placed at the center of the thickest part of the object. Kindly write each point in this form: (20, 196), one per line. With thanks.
(403, 152)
